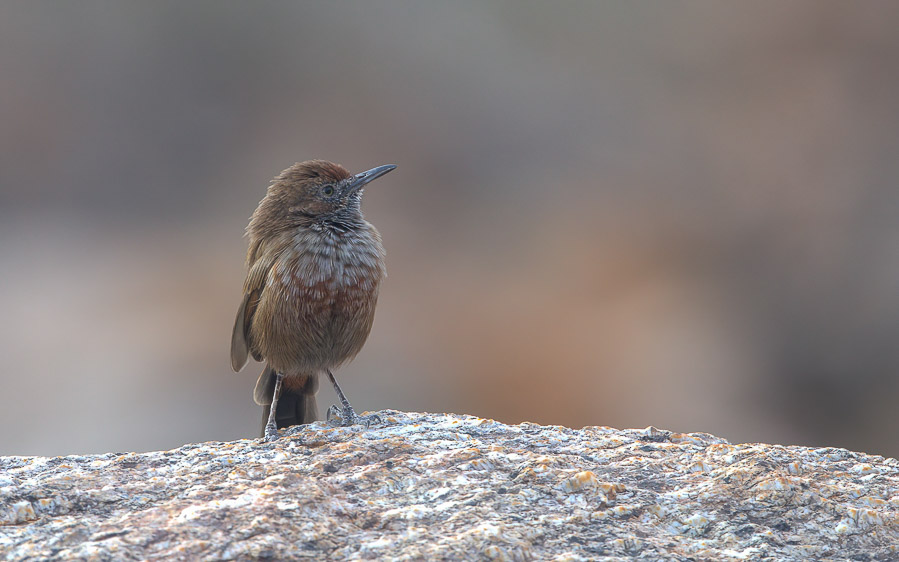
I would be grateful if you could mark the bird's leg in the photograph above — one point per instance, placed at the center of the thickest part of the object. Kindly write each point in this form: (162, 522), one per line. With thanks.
(345, 411)
(271, 427)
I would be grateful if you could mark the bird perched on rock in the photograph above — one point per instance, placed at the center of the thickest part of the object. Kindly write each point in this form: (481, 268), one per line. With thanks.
(315, 267)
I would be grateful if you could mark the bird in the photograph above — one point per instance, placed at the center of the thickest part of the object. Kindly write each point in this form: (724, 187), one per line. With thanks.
(314, 270)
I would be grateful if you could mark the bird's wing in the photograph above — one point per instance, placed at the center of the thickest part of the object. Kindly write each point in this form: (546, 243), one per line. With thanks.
(241, 346)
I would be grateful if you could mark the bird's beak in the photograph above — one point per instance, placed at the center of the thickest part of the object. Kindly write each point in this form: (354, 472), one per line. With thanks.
(359, 180)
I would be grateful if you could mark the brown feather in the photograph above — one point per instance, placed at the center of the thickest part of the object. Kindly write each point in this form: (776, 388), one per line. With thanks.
(239, 347)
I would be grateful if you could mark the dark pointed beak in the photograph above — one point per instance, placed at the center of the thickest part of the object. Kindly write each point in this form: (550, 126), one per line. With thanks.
(359, 180)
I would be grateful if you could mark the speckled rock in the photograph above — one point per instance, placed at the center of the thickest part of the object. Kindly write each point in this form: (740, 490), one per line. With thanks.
(447, 487)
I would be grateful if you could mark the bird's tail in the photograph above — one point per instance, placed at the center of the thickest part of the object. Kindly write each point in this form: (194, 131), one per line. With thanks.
(296, 402)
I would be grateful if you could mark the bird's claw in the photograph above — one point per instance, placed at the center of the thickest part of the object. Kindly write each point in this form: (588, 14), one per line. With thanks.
(271, 434)
(344, 417)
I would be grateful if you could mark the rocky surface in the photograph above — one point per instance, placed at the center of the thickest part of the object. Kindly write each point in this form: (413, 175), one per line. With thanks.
(434, 486)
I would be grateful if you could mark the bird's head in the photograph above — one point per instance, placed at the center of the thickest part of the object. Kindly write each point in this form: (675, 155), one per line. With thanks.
(313, 191)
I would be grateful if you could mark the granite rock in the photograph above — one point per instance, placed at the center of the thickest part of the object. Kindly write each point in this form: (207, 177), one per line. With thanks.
(450, 487)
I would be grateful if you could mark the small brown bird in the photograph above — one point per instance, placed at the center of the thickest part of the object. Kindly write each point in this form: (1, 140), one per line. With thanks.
(315, 267)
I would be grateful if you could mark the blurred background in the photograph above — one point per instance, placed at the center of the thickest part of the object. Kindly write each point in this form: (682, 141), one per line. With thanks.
(680, 214)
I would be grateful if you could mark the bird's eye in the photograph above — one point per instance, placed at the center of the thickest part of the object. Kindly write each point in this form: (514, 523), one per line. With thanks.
(328, 190)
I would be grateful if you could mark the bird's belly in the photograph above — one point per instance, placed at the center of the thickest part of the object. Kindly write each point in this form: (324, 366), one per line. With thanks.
(315, 314)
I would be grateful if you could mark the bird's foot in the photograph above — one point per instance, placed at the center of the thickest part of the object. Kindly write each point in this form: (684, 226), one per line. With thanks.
(271, 426)
(271, 433)
(347, 416)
